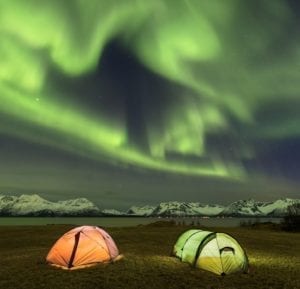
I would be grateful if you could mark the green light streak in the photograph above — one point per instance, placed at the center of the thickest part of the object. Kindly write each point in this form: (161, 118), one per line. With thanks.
(213, 48)
(91, 136)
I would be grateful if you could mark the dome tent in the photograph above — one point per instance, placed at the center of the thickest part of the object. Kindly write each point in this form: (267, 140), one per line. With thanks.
(82, 247)
(215, 252)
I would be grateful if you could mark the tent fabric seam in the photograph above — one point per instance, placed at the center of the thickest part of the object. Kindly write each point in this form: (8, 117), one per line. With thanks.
(187, 241)
(72, 257)
(201, 246)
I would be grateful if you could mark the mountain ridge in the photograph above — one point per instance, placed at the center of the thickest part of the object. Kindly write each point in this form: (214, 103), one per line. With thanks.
(34, 205)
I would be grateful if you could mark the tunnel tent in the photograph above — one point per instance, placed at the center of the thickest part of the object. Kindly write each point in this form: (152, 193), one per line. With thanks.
(215, 252)
(83, 247)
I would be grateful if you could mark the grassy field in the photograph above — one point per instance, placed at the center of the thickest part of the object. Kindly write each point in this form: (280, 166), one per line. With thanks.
(274, 261)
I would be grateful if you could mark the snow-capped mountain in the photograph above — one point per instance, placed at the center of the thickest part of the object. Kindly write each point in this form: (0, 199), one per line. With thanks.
(251, 208)
(141, 211)
(207, 210)
(173, 209)
(186, 209)
(277, 208)
(34, 205)
(242, 208)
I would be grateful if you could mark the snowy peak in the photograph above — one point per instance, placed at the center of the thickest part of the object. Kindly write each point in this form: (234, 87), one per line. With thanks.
(34, 205)
(34, 198)
(252, 208)
(186, 209)
(81, 203)
(174, 209)
(242, 208)
(278, 208)
(140, 211)
(207, 210)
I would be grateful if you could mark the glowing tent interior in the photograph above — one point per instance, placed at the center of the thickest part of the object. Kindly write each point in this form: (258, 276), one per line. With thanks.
(82, 247)
(215, 252)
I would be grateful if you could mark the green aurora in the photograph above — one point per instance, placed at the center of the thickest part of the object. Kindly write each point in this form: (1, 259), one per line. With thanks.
(233, 64)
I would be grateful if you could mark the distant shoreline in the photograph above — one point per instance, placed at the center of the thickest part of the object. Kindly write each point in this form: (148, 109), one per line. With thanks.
(136, 221)
(146, 217)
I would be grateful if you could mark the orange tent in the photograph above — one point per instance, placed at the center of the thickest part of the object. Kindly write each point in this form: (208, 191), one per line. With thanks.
(81, 247)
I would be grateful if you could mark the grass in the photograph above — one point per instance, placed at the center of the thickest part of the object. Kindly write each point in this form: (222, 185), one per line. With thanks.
(274, 261)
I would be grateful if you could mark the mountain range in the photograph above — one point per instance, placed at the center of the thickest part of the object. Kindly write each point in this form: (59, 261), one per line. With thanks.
(34, 205)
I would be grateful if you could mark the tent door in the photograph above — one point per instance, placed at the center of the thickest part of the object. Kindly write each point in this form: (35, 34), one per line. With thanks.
(228, 259)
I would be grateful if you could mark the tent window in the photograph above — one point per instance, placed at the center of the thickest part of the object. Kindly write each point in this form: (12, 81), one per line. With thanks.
(227, 249)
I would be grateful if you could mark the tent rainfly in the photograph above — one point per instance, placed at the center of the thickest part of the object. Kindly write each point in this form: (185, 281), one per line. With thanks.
(215, 252)
(83, 247)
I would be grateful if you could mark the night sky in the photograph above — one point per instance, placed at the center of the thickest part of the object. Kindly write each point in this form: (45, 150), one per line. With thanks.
(132, 102)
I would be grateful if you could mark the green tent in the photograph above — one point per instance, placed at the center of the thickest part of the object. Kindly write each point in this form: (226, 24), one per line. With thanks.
(215, 252)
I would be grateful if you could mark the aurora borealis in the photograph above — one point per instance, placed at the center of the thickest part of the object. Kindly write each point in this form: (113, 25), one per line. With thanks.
(105, 98)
